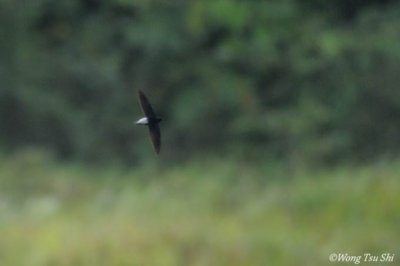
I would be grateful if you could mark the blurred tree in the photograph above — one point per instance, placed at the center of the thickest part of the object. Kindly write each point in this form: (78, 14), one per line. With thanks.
(311, 79)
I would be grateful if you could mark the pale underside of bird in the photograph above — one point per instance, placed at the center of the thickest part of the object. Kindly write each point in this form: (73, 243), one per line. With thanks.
(151, 120)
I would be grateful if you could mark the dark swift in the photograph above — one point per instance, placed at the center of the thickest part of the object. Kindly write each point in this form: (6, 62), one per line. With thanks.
(151, 120)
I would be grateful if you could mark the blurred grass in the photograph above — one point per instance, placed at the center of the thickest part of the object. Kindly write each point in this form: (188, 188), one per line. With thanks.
(216, 212)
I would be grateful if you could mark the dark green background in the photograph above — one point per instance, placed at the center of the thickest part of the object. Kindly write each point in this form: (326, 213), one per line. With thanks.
(310, 80)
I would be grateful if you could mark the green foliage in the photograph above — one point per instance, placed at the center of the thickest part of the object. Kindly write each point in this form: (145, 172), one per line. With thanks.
(209, 212)
(311, 80)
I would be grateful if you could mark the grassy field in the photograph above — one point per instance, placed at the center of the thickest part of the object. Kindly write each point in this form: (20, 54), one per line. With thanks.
(204, 213)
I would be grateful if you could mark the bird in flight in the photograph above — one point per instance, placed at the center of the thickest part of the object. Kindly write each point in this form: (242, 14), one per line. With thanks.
(151, 120)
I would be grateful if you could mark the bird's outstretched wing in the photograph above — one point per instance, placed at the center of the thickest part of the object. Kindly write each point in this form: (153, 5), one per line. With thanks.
(146, 106)
(155, 136)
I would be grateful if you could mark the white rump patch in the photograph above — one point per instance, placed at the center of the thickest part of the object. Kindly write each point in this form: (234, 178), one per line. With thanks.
(142, 121)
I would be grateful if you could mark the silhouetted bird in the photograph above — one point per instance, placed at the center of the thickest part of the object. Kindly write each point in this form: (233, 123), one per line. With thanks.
(151, 120)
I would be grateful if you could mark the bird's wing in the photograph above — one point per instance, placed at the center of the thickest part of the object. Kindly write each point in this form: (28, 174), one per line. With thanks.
(146, 106)
(155, 136)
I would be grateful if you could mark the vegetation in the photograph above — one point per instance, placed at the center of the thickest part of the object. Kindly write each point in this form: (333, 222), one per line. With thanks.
(311, 80)
(227, 214)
